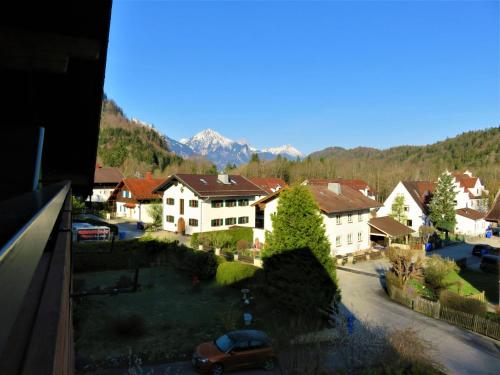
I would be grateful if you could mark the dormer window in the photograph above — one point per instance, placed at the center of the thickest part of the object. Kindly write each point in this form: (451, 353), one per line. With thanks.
(203, 181)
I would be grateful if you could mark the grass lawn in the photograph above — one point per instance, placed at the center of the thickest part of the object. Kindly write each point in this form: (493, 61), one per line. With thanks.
(483, 281)
(177, 317)
(459, 285)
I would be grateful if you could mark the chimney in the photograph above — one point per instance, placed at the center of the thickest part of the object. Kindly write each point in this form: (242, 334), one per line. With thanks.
(224, 178)
(149, 175)
(335, 187)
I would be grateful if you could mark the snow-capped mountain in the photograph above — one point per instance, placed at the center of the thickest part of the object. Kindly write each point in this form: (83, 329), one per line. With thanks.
(222, 151)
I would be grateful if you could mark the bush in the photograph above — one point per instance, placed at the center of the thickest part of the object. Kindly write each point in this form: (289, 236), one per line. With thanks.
(234, 272)
(222, 238)
(436, 270)
(457, 302)
(130, 326)
(220, 259)
(242, 245)
(200, 263)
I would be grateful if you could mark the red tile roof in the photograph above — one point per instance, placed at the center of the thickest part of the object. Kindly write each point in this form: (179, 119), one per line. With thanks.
(469, 213)
(270, 184)
(421, 191)
(353, 183)
(465, 180)
(348, 200)
(107, 175)
(210, 186)
(141, 188)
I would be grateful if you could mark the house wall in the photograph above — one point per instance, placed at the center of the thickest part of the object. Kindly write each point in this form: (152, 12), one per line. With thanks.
(204, 213)
(470, 227)
(100, 195)
(465, 201)
(139, 213)
(332, 229)
(414, 213)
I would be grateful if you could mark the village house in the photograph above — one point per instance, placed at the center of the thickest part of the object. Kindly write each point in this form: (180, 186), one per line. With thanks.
(345, 212)
(105, 181)
(471, 193)
(202, 203)
(470, 222)
(417, 196)
(493, 215)
(356, 184)
(133, 197)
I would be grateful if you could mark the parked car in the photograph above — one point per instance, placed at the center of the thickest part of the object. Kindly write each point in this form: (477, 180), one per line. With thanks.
(235, 350)
(490, 263)
(482, 249)
(496, 231)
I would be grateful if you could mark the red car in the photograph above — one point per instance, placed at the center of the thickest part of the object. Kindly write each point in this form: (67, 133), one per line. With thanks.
(236, 350)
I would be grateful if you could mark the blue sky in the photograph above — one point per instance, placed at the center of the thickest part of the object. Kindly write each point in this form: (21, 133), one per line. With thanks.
(309, 73)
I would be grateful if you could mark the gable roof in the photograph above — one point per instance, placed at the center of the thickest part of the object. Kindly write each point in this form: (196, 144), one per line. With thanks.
(141, 188)
(353, 183)
(465, 180)
(469, 213)
(107, 175)
(269, 184)
(348, 200)
(421, 192)
(390, 227)
(494, 213)
(206, 185)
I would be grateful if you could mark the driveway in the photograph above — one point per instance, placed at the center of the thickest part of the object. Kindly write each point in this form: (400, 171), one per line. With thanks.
(461, 351)
(455, 252)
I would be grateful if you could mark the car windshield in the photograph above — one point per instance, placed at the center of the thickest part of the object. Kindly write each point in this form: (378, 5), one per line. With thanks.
(224, 343)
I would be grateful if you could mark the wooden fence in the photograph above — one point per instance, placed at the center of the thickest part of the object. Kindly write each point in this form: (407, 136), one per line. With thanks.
(435, 310)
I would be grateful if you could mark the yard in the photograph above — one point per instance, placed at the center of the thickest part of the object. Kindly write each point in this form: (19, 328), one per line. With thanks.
(177, 316)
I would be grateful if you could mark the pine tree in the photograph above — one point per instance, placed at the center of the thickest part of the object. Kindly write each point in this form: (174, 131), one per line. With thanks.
(442, 206)
(298, 224)
(398, 210)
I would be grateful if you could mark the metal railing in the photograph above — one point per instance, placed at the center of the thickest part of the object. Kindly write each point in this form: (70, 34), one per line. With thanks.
(26, 224)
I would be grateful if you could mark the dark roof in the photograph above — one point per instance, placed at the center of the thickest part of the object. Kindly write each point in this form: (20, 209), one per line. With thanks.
(270, 184)
(141, 188)
(421, 192)
(390, 227)
(469, 213)
(348, 200)
(210, 186)
(107, 175)
(494, 213)
(353, 183)
(248, 334)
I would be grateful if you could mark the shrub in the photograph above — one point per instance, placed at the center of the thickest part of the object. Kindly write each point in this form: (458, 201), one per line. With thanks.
(457, 302)
(130, 326)
(242, 245)
(234, 272)
(222, 238)
(220, 259)
(436, 270)
(200, 263)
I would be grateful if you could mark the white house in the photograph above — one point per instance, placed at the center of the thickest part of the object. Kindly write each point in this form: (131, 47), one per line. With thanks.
(470, 222)
(105, 181)
(133, 197)
(345, 212)
(195, 203)
(356, 184)
(417, 195)
(471, 193)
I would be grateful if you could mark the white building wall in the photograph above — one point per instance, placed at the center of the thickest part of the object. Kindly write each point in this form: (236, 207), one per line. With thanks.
(139, 213)
(204, 213)
(414, 213)
(100, 195)
(470, 227)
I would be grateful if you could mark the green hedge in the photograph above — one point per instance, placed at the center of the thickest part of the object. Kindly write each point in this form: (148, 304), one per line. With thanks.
(236, 234)
(233, 272)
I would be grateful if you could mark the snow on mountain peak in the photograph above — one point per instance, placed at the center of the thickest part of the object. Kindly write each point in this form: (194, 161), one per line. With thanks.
(285, 149)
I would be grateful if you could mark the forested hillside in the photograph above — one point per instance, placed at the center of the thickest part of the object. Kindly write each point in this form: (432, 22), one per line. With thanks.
(136, 149)
(478, 151)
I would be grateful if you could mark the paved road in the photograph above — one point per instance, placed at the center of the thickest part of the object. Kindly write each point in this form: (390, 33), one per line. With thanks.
(462, 352)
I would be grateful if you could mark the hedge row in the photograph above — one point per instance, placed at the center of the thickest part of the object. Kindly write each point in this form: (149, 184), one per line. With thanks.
(235, 234)
(234, 272)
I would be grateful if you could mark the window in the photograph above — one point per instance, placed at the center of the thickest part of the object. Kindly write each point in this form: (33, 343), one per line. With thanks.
(338, 242)
(409, 223)
(339, 219)
(217, 204)
(193, 203)
(257, 344)
(217, 222)
(360, 216)
(230, 221)
(125, 194)
(181, 207)
(360, 236)
(349, 239)
(240, 346)
(242, 202)
(169, 219)
(193, 222)
(243, 220)
(231, 203)
(170, 201)
(407, 208)
(349, 218)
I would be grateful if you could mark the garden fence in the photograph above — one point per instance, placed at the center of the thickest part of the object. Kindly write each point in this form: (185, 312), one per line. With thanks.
(436, 310)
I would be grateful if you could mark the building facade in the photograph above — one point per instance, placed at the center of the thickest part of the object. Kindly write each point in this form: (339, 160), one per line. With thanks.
(105, 181)
(470, 222)
(204, 203)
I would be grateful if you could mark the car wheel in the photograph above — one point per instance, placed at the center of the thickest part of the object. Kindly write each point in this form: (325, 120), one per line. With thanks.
(217, 369)
(269, 364)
